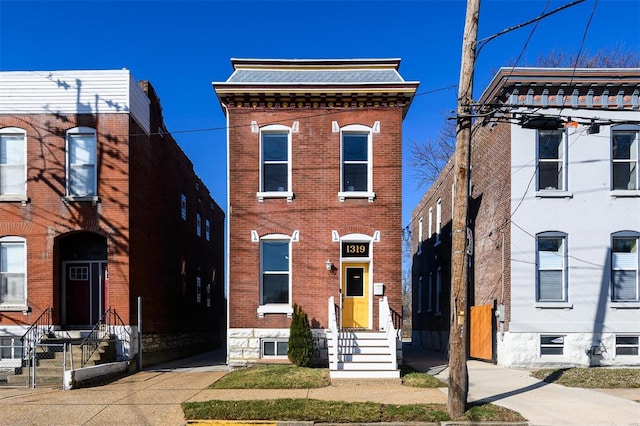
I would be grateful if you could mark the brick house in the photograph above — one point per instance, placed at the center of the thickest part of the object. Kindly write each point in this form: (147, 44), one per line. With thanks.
(99, 206)
(554, 215)
(314, 159)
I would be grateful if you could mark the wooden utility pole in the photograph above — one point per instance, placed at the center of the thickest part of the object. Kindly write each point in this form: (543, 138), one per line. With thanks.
(458, 376)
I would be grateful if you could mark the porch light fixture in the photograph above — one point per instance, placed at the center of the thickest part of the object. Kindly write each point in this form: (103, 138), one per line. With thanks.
(329, 265)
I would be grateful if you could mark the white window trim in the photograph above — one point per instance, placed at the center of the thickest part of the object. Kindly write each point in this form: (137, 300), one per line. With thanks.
(276, 308)
(369, 193)
(207, 229)
(553, 193)
(430, 222)
(16, 131)
(626, 192)
(562, 345)
(636, 345)
(198, 225)
(261, 195)
(420, 239)
(438, 221)
(564, 303)
(275, 342)
(71, 197)
(7, 307)
(626, 303)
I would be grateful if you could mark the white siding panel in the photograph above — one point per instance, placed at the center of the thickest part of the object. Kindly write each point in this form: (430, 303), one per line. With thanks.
(140, 109)
(65, 92)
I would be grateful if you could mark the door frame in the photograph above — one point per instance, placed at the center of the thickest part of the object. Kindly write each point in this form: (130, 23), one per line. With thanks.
(100, 293)
(367, 290)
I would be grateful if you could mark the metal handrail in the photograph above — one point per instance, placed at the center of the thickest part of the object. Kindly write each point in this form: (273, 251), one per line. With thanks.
(111, 324)
(40, 327)
(90, 344)
(333, 327)
(118, 328)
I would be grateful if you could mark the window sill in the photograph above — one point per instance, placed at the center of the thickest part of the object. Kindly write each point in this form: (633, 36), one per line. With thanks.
(275, 194)
(93, 199)
(554, 194)
(622, 193)
(342, 195)
(14, 199)
(15, 308)
(625, 305)
(275, 309)
(553, 305)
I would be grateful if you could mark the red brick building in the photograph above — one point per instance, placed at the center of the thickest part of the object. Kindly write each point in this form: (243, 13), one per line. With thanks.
(314, 157)
(99, 206)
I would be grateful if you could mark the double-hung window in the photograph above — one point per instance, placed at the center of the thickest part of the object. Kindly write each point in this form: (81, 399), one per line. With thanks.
(275, 274)
(624, 267)
(624, 157)
(13, 284)
(438, 220)
(551, 267)
(275, 162)
(13, 173)
(81, 162)
(356, 158)
(551, 160)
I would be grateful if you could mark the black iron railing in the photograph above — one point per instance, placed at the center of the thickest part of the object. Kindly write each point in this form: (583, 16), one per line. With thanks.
(40, 327)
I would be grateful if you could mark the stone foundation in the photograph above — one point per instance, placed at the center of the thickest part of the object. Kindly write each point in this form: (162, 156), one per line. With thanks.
(245, 344)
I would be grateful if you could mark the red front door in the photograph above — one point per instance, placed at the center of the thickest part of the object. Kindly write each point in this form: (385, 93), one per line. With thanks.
(78, 289)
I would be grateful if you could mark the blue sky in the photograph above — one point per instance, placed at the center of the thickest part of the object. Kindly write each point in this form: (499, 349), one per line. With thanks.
(181, 47)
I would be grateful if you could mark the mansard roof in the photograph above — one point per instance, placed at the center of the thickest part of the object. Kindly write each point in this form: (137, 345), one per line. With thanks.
(315, 83)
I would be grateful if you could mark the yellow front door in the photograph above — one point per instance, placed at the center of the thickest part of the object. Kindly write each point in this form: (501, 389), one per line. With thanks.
(355, 295)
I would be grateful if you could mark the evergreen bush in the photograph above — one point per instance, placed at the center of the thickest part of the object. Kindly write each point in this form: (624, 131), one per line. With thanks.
(300, 339)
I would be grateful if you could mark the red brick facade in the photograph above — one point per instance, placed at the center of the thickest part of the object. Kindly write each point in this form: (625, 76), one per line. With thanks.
(489, 209)
(315, 210)
(150, 250)
(314, 101)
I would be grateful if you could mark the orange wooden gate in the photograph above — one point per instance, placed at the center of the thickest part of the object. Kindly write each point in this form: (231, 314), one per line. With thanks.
(481, 332)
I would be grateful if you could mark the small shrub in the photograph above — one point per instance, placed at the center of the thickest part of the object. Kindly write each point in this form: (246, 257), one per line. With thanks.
(300, 339)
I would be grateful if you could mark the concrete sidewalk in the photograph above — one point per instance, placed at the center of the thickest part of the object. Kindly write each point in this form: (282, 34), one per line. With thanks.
(153, 396)
(539, 402)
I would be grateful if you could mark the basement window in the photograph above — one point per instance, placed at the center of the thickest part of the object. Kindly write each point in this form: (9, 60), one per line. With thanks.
(275, 348)
(626, 345)
(551, 345)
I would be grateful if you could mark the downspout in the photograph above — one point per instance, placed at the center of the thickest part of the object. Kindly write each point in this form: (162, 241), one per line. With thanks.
(226, 243)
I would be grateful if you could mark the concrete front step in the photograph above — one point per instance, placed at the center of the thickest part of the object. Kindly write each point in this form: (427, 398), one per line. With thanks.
(364, 374)
(366, 358)
(359, 366)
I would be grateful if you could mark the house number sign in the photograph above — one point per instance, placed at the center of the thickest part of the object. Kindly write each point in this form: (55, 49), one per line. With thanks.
(355, 249)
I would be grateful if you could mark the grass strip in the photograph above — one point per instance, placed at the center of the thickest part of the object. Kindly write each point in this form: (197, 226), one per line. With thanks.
(274, 377)
(288, 409)
(595, 377)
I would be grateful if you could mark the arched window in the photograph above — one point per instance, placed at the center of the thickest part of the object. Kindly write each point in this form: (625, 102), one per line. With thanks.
(551, 267)
(275, 274)
(275, 162)
(13, 170)
(356, 156)
(624, 267)
(625, 153)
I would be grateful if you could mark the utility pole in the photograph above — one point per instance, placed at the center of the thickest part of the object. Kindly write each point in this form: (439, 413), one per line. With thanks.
(458, 376)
